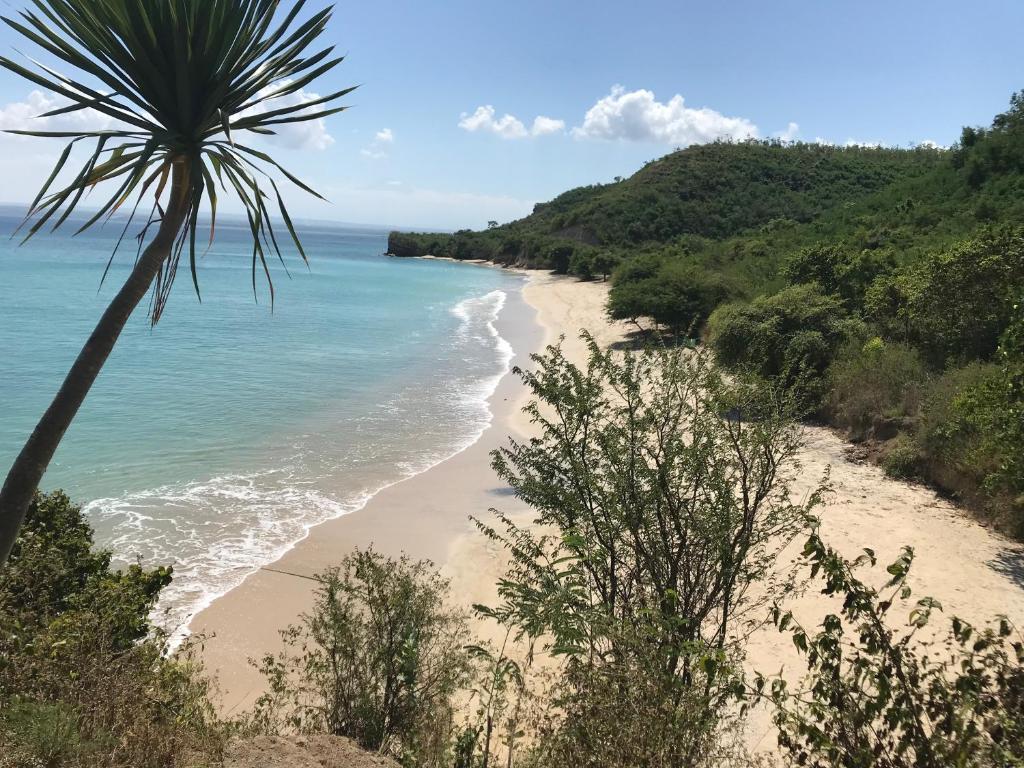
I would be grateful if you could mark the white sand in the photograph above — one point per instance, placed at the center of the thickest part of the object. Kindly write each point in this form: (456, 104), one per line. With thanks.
(975, 573)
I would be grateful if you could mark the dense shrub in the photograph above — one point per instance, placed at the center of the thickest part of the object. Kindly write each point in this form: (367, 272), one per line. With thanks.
(82, 681)
(971, 437)
(378, 659)
(790, 337)
(902, 458)
(674, 294)
(837, 271)
(955, 305)
(872, 383)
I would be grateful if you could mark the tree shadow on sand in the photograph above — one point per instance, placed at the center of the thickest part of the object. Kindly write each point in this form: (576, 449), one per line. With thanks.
(1010, 563)
(638, 340)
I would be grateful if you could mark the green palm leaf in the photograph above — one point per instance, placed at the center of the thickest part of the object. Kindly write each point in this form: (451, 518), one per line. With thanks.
(184, 80)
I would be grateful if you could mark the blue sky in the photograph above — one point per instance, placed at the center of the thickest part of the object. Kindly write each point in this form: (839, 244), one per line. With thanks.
(615, 84)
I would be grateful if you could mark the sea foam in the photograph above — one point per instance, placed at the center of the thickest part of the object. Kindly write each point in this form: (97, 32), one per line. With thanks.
(217, 531)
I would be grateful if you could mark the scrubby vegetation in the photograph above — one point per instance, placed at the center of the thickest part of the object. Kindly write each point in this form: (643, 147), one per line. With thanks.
(661, 494)
(890, 692)
(83, 680)
(379, 659)
(657, 523)
(880, 286)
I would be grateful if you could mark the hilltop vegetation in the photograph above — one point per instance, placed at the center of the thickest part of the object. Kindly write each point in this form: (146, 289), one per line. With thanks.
(881, 286)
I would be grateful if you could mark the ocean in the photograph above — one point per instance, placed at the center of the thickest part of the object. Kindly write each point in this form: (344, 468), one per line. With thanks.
(215, 440)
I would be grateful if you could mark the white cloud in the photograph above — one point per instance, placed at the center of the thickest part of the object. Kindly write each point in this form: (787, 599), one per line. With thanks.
(507, 126)
(311, 134)
(381, 139)
(929, 144)
(542, 126)
(638, 116)
(790, 134)
(24, 115)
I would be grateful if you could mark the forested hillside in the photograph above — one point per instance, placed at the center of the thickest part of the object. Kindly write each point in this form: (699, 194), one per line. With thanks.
(881, 287)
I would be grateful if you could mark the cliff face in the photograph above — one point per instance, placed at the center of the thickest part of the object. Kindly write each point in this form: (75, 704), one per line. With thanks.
(401, 244)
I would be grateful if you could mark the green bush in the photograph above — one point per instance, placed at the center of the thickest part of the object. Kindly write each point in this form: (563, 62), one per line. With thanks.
(83, 678)
(955, 305)
(885, 692)
(379, 660)
(873, 382)
(837, 271)
(655, 526)
(902, 458)
(674, 294)
(790, 337)
(972, 440)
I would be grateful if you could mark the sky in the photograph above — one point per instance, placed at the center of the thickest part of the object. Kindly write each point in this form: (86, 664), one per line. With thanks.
(474, 111)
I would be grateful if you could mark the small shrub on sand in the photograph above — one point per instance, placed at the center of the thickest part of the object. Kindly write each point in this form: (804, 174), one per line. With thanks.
(379, 659)
(873, 382)
(902, 458)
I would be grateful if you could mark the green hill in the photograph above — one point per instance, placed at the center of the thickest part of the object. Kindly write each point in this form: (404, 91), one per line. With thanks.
(711, 192)
(882, 288)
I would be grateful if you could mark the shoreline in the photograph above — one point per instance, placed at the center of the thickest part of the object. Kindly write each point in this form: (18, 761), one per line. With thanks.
(243, 623)
(180, 631)
(975, 573)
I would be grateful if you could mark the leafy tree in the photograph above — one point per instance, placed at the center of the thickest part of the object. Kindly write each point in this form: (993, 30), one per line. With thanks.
(955, 305)
(790, 337)
(378, 659)
(837, 271)
(673, 293)
(182, 79)
(881, 694)
(654, 519)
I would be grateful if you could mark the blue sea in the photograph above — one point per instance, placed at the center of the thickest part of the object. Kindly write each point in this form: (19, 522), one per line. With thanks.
(215, 440)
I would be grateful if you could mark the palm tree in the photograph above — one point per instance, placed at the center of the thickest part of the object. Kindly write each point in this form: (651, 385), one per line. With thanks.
(183, 81)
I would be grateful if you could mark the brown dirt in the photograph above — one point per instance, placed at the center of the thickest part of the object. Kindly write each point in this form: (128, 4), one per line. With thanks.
(301, 752)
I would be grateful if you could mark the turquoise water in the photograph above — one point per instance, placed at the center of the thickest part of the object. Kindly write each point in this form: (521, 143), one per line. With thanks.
(215, 440)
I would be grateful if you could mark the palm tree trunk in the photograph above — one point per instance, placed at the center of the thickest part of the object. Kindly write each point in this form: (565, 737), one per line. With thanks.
(27, 470)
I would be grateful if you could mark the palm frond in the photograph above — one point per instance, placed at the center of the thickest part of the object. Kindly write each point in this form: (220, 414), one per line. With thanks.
(182, 80)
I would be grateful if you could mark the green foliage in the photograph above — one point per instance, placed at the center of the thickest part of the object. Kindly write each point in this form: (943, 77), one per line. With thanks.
(987, 153)
(121, 58)
(378, 659)
(54, 582)
(674, 294)
(954, 305)
(838, 272)
(902, 458)
(873, 385)
(972, 437)
(791, 338)
(82, 680)
(878, 693)
(654, 517)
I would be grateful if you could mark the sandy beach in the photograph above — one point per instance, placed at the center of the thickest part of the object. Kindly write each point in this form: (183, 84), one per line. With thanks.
(975, 573)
